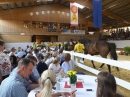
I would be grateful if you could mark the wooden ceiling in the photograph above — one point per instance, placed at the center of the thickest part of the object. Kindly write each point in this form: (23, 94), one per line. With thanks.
(113, 10)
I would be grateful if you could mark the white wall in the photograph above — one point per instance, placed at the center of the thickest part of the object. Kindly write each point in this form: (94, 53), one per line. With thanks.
(23, 45)
(120, 43)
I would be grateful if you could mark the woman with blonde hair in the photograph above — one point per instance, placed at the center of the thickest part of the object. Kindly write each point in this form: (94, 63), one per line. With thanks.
(47, 81)
(55, 65)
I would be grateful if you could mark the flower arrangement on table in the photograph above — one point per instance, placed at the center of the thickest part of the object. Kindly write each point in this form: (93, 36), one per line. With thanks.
(72, 75)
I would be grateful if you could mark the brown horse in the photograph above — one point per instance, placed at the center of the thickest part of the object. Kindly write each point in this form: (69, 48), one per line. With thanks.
(101, 48)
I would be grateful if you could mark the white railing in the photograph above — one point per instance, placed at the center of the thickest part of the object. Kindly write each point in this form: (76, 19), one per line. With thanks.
(119, 64)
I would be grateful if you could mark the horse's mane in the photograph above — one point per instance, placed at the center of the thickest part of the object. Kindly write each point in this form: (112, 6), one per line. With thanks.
(85, 40)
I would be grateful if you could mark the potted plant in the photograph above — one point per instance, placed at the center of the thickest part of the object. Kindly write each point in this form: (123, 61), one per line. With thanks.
(127, 50)
(72, 79)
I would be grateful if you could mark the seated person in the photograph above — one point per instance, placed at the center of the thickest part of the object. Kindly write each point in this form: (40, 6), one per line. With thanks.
(35, 53)
(32, 81)
(55, 53)
(65, 65)
(41, 66)
(14, 63)
(61, 56)
(21, 54)
(106, 85)
(48, 59)
(5, 65)
(0, 77)
(68, 65)
(34, 77)
(55, 65)
(47, 81)
(13, 85)
(12, 51)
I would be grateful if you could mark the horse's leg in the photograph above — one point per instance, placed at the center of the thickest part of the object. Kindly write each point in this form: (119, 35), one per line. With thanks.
(109, 68)
(101, 65)
(93, 64)
(117, 68)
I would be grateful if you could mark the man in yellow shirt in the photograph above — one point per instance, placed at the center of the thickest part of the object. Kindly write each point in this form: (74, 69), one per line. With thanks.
(79, 48)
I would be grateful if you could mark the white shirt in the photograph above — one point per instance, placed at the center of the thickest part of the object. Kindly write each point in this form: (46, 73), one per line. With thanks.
(5, 65)
(49, 61)
(54, 67)
(33, 92)
(11, 53)
(20, 54)
(66, 67)
(28, 49)
(36, 57)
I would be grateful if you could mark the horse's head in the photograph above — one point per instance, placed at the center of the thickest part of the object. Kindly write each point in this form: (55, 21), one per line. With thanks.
(84, 40)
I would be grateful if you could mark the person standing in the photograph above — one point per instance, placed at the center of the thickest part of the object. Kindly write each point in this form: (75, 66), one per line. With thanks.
(13, 85)
(5, 64)
(79, 47)
(34, 45)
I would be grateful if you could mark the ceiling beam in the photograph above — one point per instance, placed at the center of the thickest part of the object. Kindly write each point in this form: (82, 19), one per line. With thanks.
(105, 12)
(3, 1)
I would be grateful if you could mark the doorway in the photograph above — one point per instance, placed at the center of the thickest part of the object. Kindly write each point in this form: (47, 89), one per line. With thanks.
(44, 38)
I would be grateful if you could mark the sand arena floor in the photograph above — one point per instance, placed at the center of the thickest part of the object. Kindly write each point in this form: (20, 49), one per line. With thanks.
(122, 73)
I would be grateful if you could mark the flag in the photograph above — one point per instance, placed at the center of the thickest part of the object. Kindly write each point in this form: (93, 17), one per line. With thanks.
(97, 13)
(73, 14)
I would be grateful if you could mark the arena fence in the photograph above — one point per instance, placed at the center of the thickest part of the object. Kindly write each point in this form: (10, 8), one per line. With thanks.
(119, 64)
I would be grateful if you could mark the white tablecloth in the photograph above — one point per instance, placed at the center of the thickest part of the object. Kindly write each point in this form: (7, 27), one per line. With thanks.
(89, 83)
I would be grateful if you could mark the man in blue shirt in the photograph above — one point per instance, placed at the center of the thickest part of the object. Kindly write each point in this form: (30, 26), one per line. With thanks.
(13, 85)
(33, 77)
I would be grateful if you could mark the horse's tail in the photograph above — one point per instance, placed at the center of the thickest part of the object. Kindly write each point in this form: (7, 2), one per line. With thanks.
(113, 54)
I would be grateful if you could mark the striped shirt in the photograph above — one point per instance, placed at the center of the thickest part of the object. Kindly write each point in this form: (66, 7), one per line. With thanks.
(13, 87)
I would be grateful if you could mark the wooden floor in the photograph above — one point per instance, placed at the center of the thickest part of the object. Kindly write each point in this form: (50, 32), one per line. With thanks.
(123, 73)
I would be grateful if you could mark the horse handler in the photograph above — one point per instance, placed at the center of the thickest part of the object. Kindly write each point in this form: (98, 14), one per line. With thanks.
(79, 48)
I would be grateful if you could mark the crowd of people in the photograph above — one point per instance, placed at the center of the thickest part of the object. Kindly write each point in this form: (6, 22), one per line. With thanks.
(21, 71)
(122, 35)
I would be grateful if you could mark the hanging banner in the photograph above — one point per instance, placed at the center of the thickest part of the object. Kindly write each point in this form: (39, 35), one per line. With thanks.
(97, 13)
(73, 14)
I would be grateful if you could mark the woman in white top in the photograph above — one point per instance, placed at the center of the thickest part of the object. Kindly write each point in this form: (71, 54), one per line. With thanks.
(55, 66)
(48, 59)
(66, 66)
(47, 81)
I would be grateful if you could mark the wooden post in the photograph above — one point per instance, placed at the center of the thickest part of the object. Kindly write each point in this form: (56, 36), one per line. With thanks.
(80, 27)
(86, 28)
(58, 27)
